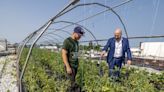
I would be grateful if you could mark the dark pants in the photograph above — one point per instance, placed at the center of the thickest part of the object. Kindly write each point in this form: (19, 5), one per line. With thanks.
(72, 76)
(114, 67)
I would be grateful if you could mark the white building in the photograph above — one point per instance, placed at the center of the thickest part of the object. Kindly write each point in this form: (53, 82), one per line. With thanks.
(135, 51)
(152, 49)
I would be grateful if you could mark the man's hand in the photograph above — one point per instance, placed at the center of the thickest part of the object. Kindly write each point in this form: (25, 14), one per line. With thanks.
(103, 53)
(129, 62)
(69, 70)
(65, 60)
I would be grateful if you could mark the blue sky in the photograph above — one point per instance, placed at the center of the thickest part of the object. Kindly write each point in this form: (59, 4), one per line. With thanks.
(18, 18)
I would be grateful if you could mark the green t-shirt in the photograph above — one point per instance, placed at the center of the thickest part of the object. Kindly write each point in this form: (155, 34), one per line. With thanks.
(71, 46)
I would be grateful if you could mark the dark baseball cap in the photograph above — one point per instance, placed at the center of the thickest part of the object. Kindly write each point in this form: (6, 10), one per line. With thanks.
(79, 30)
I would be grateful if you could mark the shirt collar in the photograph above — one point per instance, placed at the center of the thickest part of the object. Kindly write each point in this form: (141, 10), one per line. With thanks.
(120, 39)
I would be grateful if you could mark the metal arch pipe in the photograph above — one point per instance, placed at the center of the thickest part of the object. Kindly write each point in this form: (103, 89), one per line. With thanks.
(93, 4)
(130, 38)
(78, 6)
(32, 34)
(24, 42)
(45, 37)
(119, 17)
(19, 53)
(29, 53)
(58, 30)
(45, 27)
(71, 3)
(48, 41)
(78, 25)
(105, 6)
(54, 34)
(27, 39)
(20, 49)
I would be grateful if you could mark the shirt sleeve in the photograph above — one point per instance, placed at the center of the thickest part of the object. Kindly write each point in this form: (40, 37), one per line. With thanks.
(65, 45)
(107, 45)
(129, 55)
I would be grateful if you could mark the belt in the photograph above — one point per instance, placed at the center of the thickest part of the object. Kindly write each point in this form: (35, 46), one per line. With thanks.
(117, 57)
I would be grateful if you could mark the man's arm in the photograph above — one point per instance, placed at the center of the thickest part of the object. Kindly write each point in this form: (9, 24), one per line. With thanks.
(104, 50)
(65, 60)
(129, 55)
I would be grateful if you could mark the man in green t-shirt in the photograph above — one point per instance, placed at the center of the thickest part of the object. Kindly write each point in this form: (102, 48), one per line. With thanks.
(70, 53)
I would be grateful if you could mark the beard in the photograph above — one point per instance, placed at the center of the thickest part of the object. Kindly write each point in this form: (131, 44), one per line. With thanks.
(117, 38)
